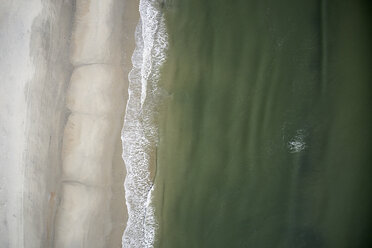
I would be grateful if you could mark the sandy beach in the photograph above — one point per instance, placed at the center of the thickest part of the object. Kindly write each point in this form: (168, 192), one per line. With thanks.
(63, 118)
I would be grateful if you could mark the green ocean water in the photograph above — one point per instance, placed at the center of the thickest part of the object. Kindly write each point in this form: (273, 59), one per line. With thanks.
(265, 138)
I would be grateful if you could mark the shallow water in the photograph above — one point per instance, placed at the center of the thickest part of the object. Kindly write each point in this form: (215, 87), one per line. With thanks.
(140, 132)
(265, 135)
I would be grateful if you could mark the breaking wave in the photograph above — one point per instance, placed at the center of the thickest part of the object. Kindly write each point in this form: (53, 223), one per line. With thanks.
(140, 132)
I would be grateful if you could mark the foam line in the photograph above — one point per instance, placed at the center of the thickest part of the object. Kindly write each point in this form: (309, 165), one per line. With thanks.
(140, 133)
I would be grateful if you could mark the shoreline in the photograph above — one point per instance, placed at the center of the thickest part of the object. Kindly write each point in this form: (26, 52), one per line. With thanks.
(140, 130)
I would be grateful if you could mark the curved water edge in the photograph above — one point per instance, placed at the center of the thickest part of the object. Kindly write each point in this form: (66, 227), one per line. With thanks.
(140, 132)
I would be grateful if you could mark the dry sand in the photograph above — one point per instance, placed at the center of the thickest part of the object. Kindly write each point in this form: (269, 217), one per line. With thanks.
(36, 66)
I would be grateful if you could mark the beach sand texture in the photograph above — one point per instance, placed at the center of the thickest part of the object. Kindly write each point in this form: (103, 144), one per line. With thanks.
(64, 68)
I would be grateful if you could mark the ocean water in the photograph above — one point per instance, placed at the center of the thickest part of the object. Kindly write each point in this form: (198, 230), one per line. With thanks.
(250, 125)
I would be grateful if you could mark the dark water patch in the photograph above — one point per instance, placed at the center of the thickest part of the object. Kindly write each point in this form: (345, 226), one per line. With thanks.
(265, 139)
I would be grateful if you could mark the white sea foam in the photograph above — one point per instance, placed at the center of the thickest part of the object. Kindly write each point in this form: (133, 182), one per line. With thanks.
(297, 144)
(140, 133)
